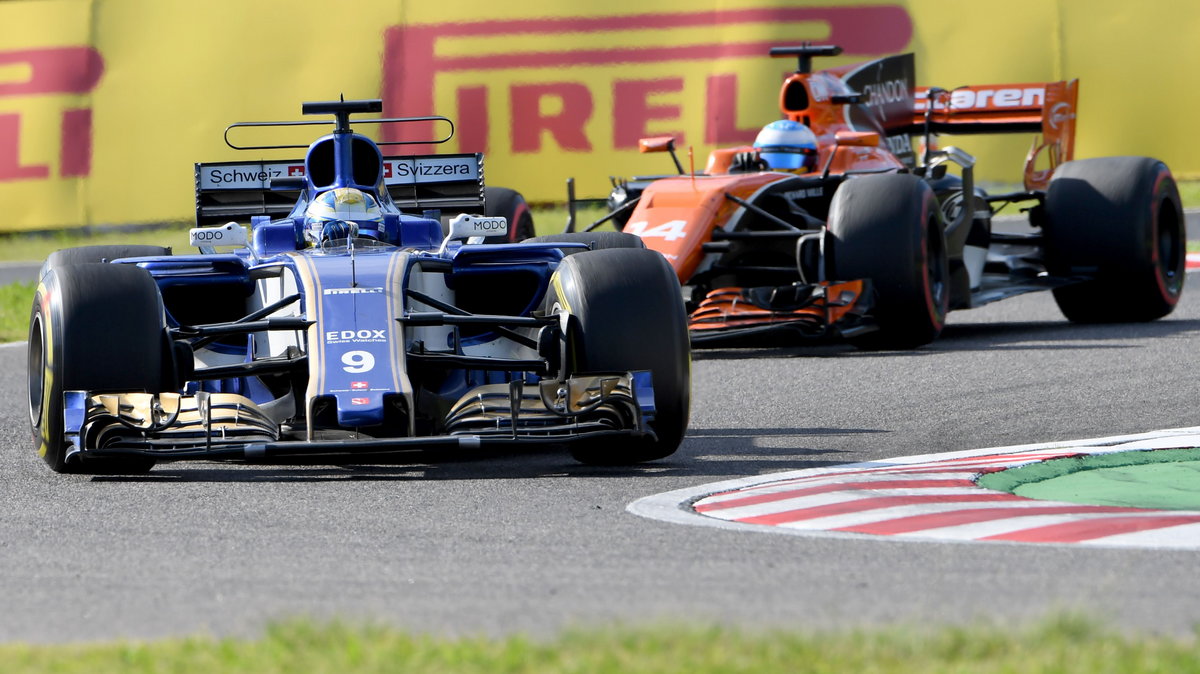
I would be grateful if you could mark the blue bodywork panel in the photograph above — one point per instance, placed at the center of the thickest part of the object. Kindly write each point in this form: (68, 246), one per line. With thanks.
(358, 353)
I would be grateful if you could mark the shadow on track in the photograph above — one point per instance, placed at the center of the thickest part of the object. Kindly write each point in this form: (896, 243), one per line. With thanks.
(964, 337)
(1060, 335)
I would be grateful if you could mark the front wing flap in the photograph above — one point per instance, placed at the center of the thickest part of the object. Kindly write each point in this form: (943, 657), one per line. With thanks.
(822, 311)
(171, 426)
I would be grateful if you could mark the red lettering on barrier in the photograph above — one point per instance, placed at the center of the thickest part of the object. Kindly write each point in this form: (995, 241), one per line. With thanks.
(411, 63)
(75, 155)
(567, 126)
(721, 113)
(632, 110)
(472, 127)
(10, 152)
(56, 70)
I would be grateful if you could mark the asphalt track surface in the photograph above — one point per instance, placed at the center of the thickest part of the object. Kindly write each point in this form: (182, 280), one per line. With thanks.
(534, 543)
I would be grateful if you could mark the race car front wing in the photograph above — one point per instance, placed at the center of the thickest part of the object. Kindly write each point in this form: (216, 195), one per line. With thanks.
(811, 311)
(230, 427)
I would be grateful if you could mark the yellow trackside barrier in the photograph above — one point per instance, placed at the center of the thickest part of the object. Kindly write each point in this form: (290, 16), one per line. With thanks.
(105, 105)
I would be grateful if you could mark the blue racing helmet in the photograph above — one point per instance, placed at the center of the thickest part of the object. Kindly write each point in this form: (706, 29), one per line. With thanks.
(342, 213)
(788, 145)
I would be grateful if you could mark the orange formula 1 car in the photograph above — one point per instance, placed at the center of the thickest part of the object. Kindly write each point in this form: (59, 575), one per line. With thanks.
(832, 226)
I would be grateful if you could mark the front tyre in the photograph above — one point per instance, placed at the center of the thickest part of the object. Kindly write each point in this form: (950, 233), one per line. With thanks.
(626, 313)
(93, 327)
(1119, 221)
(101, 253)
(887, 228)
(593, 241)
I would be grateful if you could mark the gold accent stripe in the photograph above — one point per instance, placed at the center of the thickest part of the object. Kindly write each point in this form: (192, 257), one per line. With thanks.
(316, 343)
(43, 295)
(395, 329)
(556, 280)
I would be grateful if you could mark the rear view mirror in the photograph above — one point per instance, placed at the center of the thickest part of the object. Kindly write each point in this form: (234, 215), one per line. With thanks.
(662, 144)
(657, 144)
(228, 234)
(475, 227)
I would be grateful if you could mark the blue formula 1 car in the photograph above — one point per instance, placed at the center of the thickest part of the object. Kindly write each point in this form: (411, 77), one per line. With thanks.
(347, 323)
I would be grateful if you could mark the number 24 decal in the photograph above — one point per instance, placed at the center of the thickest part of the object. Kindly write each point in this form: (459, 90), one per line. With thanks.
(358, 361)
(675, 229)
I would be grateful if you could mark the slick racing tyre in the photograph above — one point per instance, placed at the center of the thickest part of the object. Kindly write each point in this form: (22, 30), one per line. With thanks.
(595, 240)
(106, 253)
(511, 205)
(626, 314)
(1118, 221)
(93, 327)
(887, 228)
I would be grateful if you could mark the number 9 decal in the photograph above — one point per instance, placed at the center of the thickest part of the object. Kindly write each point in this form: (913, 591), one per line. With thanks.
(358, 361)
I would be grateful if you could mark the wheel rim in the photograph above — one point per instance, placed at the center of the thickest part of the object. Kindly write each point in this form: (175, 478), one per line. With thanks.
(935, 271)
(1169, 248)
(36, 371)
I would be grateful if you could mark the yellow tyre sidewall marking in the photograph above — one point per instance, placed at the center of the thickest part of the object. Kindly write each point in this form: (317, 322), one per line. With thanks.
(47, 369)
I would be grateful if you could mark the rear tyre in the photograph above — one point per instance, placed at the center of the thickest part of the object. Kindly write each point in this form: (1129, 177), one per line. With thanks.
(626, 313)
(510, 204)
(1118, 220)
(887, 228)
(93, 327)
(596, 240)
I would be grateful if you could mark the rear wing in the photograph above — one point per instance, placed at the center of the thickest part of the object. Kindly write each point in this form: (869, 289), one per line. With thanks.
(1048, 109)
(240, 190)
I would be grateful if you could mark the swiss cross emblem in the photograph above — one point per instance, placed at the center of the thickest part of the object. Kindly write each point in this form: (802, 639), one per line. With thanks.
(387, 169)
(360, 401)
(296, 170)
(358, 385)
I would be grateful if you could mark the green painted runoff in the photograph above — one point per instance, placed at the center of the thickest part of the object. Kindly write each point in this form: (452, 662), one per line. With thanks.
(1167, 479)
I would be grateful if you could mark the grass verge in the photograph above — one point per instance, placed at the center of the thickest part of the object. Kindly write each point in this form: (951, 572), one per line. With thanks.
(1189, 193)
(1059, 645)
(16, 300)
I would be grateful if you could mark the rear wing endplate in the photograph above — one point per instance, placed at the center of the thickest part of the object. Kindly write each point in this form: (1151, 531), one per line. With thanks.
(228, 191)
(1048, 109)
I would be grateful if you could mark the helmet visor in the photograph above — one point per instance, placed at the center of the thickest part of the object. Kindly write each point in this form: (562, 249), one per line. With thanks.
(324, 230)
(789, 157)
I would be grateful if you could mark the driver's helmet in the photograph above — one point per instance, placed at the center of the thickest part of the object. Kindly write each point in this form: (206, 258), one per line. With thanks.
(342, 213)
(788, 145)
